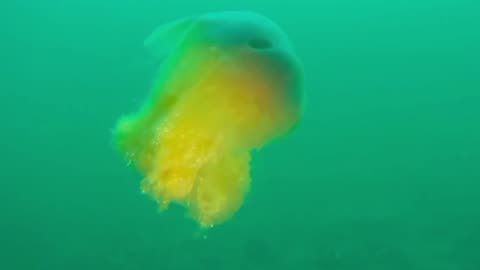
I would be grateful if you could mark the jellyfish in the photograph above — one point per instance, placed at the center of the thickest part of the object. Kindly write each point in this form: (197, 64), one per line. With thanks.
(227, 83)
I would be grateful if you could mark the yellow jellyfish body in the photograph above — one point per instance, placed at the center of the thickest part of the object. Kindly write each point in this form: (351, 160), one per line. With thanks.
(229, 83)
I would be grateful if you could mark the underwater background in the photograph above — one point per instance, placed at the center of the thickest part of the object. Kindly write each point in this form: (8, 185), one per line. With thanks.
(382, 173)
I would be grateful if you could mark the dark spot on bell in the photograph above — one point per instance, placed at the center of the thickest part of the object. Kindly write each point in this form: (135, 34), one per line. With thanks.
(260, 44)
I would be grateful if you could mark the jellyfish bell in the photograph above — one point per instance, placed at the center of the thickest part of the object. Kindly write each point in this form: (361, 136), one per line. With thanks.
(229, 83)
(240, 41)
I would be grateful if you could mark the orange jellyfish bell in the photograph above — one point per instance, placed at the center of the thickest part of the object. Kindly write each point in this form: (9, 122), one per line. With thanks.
(229, 83)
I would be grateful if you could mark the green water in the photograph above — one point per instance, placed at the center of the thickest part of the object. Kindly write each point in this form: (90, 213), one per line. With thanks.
(383, 173)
